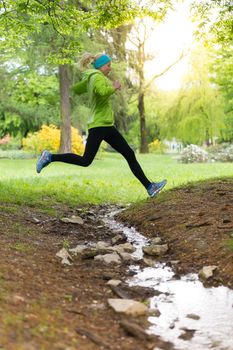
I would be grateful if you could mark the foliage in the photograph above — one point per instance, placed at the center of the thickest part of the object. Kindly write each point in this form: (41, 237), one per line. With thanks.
(68, 19)
(215, 18)
(156, 146)
(10, 143)
(48, 137)
(222, 72)
(15, 154)
(28, 94)
(224, 155)
(194, 154)
(196, 115)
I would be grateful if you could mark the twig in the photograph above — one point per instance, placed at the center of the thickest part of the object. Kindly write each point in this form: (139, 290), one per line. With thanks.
(119, 292)
(93, 337)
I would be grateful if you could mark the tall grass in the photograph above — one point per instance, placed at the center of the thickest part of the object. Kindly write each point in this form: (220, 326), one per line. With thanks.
(107, 180)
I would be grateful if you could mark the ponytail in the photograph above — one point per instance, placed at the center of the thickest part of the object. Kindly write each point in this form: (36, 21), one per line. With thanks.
(86, 59)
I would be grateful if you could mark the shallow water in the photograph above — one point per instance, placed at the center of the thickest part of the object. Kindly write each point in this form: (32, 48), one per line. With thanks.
(203, 316)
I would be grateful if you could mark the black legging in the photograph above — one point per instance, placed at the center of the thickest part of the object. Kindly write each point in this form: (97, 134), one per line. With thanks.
(112, 136)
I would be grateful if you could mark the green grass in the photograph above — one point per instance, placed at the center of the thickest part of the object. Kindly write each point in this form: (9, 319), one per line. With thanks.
(107, 180)
(230, 244)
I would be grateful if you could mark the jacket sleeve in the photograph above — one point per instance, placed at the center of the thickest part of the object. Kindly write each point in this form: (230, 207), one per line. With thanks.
(80, 87)
(102, 86)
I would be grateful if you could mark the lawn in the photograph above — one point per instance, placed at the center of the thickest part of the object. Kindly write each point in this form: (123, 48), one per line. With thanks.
(107, 180)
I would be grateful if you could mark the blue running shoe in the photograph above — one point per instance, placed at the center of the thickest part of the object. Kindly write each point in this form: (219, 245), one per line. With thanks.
(155, 188)
(43, 161)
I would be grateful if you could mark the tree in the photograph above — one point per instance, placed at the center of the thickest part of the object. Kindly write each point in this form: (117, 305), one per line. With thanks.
(216, 30)
(28, 94)
(20, 18)
(222, 72)
(137, 59)
(197, 114)
(216, 22)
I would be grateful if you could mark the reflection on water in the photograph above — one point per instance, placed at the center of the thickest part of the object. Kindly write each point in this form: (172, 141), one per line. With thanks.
(209, 310)
(186, 306)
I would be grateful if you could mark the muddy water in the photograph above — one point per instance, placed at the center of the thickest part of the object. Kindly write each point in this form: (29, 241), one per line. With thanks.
(192, 317)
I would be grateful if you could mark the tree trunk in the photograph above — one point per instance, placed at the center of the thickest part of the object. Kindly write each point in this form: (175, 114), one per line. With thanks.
(64, 82)
(141, 109)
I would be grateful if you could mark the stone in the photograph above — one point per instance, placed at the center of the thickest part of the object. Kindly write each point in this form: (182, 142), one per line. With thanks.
(126, 257)
(89, 253)
(175, 262)
(149, 262)
(78, 249)
(112, 258)
(193, 316)
(126, 247)
(155, 312)
(135, 330)
(65, 256)
(16, 299)
(73, 220)
(155, 250)
(128, 307)
(206, 272)
(156, 240)
(102, 245)
(114, 283)
(118, 239)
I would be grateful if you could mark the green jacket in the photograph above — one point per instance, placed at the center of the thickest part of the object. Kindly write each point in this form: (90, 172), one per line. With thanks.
(99, 89)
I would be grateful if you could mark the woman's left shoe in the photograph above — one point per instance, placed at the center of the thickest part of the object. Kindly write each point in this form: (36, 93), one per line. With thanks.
(155, 188)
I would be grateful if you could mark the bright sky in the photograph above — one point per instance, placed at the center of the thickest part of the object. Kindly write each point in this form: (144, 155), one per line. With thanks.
(166, 44)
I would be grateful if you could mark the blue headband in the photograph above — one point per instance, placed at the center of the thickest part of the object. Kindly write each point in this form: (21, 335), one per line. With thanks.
(101, 61)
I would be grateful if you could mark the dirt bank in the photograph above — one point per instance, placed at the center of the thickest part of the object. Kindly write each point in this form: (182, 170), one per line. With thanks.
(196, 222)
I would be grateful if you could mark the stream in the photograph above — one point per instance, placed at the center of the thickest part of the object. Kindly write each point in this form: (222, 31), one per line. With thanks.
(193, 317)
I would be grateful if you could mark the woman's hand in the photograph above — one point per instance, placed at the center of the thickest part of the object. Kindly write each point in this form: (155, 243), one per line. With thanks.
(117, 85)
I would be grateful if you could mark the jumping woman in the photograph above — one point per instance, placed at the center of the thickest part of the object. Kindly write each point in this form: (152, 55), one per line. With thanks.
(101, 122)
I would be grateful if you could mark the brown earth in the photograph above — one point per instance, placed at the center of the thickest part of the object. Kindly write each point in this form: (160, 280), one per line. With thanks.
(196, 222)
(46, 305)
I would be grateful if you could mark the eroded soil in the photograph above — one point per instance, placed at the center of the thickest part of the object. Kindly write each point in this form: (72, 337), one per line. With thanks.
(47, 305)
(196, 222)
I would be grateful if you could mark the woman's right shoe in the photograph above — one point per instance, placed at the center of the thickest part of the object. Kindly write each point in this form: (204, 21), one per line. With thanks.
(43, 161)
(155, 188)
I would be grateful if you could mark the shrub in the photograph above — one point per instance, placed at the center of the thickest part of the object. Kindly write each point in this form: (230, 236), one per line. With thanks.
(224, 155)
(156, 147)
(10, 143)
(15, 154)
(48, 137)
(194, 154)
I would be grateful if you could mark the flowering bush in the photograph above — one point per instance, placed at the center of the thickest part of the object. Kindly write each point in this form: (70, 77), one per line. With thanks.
(224, 155)
(156, 147)
(192, 154)
(48, 137)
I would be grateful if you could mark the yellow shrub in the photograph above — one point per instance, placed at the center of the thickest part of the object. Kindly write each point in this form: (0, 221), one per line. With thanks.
(48, 137)
(156, 147)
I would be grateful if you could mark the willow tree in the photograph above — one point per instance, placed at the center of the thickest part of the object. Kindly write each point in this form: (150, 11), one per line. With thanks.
(216, 30)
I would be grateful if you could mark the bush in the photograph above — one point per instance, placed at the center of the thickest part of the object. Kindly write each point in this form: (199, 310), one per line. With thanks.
(10, 143)
(48, 137)
(194, 154)
(224, 155)
(15, 154)
(156, 147)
